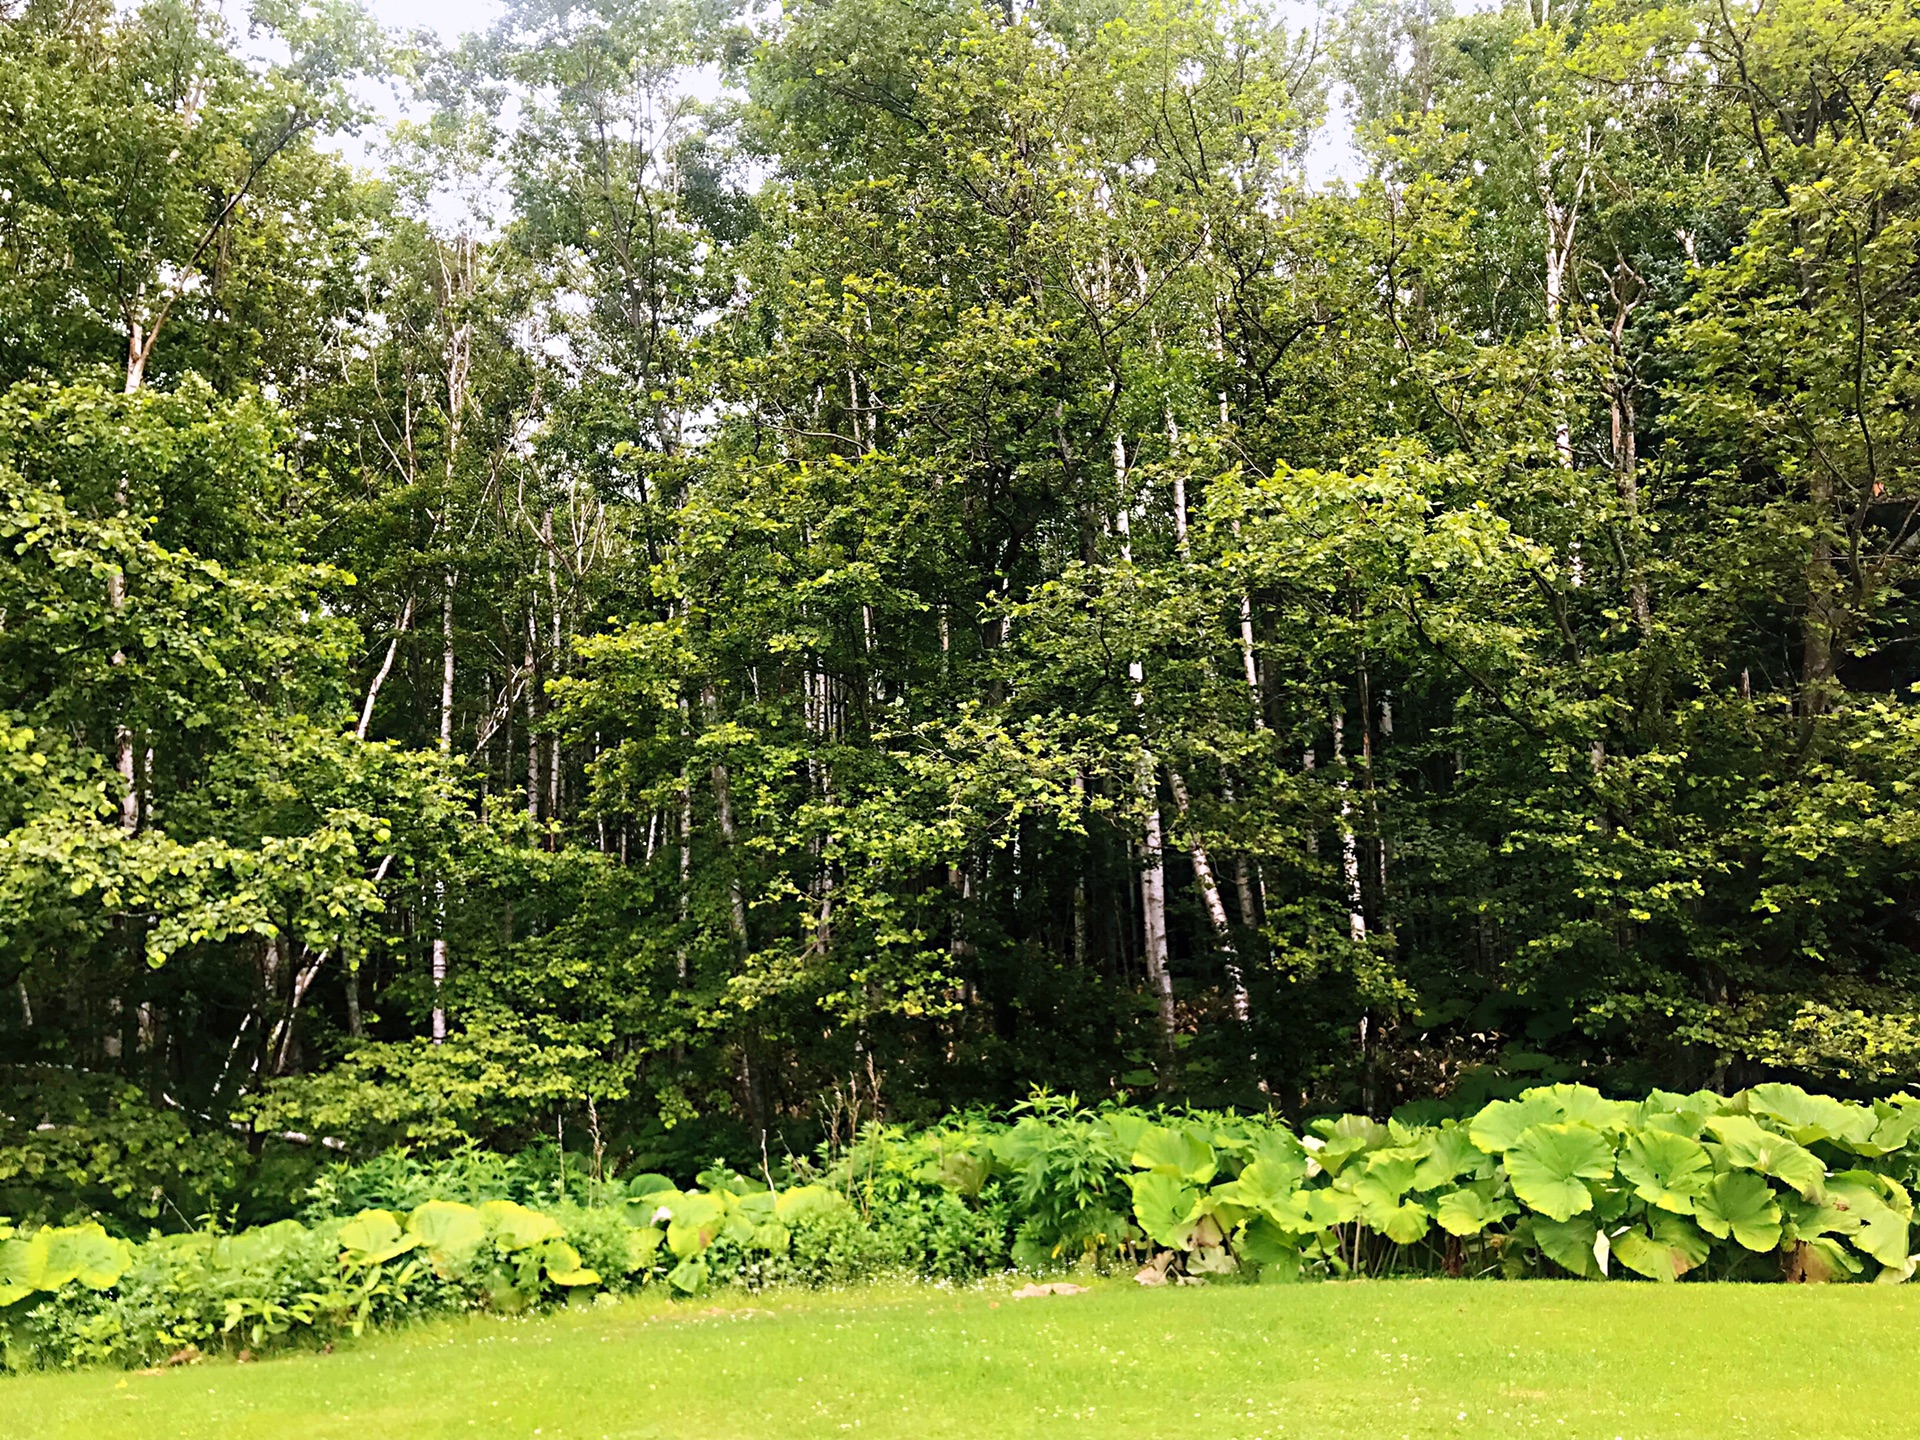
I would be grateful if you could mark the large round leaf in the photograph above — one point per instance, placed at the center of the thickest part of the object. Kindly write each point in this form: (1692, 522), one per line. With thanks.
(1667, 1170)
(1745, 1145)
(1674, 1246)
(1469, 1211)
(85, 1253)
(1740, 1204)
(1169, 1150)
(449, 1231)
(1501, 1123)
(1165, 1208)
(1810, 1118)
(373, 1236)
(697, 1221)
(1446, 1154)
(1571, 1244)
(514, 1227)
(1549, 1165)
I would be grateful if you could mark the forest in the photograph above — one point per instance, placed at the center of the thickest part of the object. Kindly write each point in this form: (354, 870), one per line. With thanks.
(670, 578)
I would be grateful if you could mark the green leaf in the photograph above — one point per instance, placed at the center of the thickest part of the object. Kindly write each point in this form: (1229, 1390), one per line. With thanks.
(1744, 1145)
(1165, 1208)
(1809, 1119)
(374, 1236)
(689, 1277)
(514, 1227)
(562, 1264)
(1547, 1165)
(1469, 1211)
(86, 1253)
(697, 1221)
(1176, 1152)
(449, 1231)
(1569, 1244)
(1740, 1204)
(1501, 1123)
(1667, 1170)
(1450, 1153)
(1261, 1242)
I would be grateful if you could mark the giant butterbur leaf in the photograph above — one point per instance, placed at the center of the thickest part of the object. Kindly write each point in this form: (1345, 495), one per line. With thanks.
(1170, 1150)
(1569, 1244)
(1812, 1118)
(1868, 1220)
(1548, 1166)
(83, 1253)
(1450, 1152)
(1746, 1145)
(1165, 1207)
(697, 1220)
(374, 1236)
(1469, 1211)
(1666, 1170)
(1644, 1255)
(1740, 1204)
(514, 1227)
(1261, 1242)
(1501, 1123)
(1263, 1185)
(449, 1231)
(562, 1264)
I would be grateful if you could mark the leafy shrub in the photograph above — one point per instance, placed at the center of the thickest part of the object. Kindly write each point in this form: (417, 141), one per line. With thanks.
(1772, 1183)
(76, 1146)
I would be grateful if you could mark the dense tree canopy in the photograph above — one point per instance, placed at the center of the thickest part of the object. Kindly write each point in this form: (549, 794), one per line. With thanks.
(893, 553)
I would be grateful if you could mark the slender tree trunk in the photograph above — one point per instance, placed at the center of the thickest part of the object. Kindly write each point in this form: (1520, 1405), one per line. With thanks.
(723, 810)
(1153, 872)
(386, 668)
(1210, 893)
(1349, 845)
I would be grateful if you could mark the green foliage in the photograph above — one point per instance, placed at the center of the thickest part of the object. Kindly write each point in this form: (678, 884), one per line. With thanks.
(1559, 1180)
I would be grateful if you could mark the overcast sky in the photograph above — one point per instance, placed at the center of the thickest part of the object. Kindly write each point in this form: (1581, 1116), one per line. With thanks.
(1332, 157)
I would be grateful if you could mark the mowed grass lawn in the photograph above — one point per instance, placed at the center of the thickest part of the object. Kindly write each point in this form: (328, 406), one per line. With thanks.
(1379, 1359)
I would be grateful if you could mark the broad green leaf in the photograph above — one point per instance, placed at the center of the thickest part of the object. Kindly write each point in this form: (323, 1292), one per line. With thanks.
(1468, 1212)
(696, 1224)
(1548, 1165)
(1667, 1170)
(85, 1253)
(1745, 1145)
(689, 1276)
(1644, 1255)
(1870, 1223)
(1167, 1150)
(643, 1244)
(1450, 1153)
(1811, 1118)
(1261, 1242)
(447, 1230)
(1674, 1247)
(1501, 1123)
(1583, 1105)
(1165, 1208)
(514, 1227)
(805, 1201)
(1682, 1236)
(1342, 1139)
(1741, 1204)
(1280, 1153)
(1262, 1185)
(1569, 1244)
(374, 1236)
(563, 1267)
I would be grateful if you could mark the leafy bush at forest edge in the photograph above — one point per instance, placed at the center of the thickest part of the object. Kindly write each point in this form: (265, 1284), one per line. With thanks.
(1770, 1184)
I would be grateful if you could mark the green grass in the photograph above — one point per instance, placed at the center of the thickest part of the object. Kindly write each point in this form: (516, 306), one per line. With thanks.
(1380, 1359)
